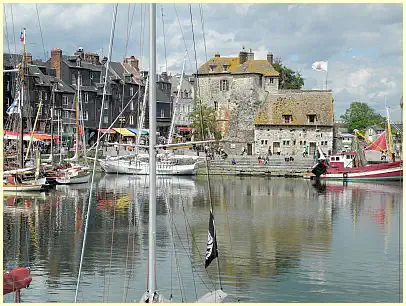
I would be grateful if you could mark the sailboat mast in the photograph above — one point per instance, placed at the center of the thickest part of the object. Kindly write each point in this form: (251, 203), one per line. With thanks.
(22, 104)
(389, 138)
(60, 141)
(77, 118)
(152, 156)
(52, 122)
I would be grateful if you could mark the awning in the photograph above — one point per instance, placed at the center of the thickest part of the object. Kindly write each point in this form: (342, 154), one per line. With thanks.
(124, 132)
(44, 136)
(10, 135)
(136, 131)
(184, 129)
(107, 131)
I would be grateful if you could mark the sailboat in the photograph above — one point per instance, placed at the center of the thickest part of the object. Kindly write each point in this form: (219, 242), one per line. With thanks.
(352, 166)
(22, 178)
(151, 294)
(76, 173)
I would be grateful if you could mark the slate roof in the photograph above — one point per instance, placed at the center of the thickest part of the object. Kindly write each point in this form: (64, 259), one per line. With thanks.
(71, 62)
(251, 66)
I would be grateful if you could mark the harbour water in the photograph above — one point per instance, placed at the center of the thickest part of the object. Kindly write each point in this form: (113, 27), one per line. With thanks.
(279, 240)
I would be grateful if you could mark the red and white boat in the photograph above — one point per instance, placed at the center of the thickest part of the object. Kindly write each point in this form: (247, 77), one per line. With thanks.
(342, 167)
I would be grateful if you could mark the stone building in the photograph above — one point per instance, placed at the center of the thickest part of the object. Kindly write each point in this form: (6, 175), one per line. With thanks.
(290, 120)
(226, 82)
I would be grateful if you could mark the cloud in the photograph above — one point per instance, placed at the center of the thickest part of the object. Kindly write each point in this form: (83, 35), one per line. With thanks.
(363, 42)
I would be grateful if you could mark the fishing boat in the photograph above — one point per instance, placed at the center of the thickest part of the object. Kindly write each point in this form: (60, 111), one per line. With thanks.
(352, 166)
(20, 180)
(73, 175)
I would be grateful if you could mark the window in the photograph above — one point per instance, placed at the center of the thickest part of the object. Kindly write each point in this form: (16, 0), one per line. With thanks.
(287, 118)
(64, 100)
(212, 68)
(162, 113)
(131, 91)
(223, 85)
(225, 68)
(8, 85)
(91, 75)
(311, 118)
(264, 141)
(304, 142)
(185, 94)
(45, 96)
(131, 119)
(66, 114)
(106, 119)
(106, 105)
(132, 106)
(215, 105)
(85, 115)
(270, 80)
(86, 97)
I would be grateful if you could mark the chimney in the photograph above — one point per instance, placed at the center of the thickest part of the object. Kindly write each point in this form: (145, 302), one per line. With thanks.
(56, 61)
(132, 61)
(250, 55)
(80, 53)
(28, 58)
(269, 58)
(243, 56)
(217, 54)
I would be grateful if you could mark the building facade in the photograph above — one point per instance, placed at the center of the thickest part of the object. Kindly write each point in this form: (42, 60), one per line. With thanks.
(291, 121)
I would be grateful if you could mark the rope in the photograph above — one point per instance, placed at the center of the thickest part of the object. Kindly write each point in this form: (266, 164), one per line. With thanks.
(40, 30)
(97, 147)
(203, 136)
(163, 31)
(14, 32)
(183, 36)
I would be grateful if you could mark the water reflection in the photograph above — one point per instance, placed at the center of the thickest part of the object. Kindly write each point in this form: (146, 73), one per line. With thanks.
(279, 239)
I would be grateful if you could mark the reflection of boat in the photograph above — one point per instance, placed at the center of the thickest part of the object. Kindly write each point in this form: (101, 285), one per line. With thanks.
(336, 186)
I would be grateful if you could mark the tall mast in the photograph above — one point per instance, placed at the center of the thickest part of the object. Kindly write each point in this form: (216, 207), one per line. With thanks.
(22, 104)
(152, 156)
(389, 133)
(175, 107)
(52, 122)
(77, 118)
(60, 141)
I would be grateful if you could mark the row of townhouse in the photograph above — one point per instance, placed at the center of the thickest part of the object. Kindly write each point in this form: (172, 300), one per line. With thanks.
(55, 82)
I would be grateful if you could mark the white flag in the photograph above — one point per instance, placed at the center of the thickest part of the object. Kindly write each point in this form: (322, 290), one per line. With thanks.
(14, 108)
(320, 66)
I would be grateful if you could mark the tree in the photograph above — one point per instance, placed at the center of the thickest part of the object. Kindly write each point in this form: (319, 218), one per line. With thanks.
(359, 116)
(288, 79)
(209, 122)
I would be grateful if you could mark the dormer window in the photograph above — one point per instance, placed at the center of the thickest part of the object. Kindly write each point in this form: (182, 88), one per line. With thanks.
(211, 68)
(225, 68)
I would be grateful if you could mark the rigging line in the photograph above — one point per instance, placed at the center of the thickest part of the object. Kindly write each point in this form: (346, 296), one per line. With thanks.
(204, 42)
(163, 31)
(187, 235)
(183, 36)
(14, 32)
(40, 30)
(97, 146)
(128, 34)
(5, 23)
(201, 123)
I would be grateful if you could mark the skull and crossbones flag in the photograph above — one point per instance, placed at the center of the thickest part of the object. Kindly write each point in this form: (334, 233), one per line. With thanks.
(211, 250)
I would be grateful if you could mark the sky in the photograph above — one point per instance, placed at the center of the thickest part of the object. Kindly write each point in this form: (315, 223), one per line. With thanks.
(361, 42)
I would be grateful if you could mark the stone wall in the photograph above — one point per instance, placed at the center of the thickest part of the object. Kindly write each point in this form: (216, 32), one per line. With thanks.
(292, 140)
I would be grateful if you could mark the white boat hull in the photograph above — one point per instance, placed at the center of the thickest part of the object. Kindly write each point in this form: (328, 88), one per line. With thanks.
(22, 187)
(73, 180)
(142, 168)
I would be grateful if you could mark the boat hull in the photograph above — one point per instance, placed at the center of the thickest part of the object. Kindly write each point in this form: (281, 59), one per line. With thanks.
(380, 172)
(142, 168)
(73, 180)
(22, 187)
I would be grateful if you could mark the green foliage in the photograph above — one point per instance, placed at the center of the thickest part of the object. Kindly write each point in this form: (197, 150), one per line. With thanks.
(288, 79)
(359, 116)
(209, 122)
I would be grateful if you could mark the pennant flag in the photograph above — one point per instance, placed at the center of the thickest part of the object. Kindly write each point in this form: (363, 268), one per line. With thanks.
(211, 250)
(320, 66)
(379, 144)
(14, 108)
(22, 36)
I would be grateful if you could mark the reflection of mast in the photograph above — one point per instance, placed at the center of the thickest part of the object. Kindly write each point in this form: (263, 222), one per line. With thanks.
(388, 214)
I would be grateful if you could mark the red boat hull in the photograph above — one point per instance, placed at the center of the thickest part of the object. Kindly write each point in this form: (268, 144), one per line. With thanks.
(387, 171)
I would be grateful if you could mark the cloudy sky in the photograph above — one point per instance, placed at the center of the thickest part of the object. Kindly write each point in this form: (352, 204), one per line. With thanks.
(362, 42)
